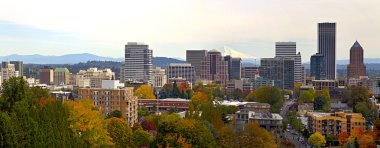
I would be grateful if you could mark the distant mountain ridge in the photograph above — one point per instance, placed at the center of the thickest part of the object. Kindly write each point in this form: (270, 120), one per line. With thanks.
(84, 57)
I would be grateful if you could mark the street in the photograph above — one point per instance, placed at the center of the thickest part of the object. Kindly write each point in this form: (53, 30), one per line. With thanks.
(290, 134)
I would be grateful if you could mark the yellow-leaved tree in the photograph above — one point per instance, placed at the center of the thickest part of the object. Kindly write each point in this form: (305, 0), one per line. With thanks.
(317, 139)
(145, 92)
(87, 123)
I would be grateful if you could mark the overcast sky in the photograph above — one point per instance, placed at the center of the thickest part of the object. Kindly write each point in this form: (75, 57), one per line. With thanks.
(170, 27)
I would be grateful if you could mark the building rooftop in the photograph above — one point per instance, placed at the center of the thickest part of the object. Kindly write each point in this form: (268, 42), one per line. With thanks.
(61, 70)
(356, 45)
(231, 103)
(180, 64)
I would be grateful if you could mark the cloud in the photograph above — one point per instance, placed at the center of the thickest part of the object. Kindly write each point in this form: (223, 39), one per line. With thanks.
(172, 26)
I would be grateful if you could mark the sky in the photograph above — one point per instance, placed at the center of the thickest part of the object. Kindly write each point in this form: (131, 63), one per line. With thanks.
(170, 27)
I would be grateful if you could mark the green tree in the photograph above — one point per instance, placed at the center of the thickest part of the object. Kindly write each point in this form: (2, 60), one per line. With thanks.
(237, 94)
(114, 113)
(270, 95)
(358, 94)
(317, 139)
(12, 90)
(250, 97)
(362, 107)
(306, 97)
(141, 137)
(175, 90)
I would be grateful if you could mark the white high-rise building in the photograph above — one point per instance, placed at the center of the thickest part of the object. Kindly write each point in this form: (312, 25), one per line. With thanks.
(159, 77)
(138, 62)
(8, 70)
(289, 50)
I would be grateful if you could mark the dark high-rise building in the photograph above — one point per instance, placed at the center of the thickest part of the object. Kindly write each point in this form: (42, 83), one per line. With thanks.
(214, 68)
(326, 47)
(46, 75)
(317, 69)
(195, 58)
(138, 62)
(356, 68)
(280, 70)
(234, 67)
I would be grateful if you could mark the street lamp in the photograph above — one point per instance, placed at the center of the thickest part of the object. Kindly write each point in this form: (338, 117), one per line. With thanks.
(157, 93)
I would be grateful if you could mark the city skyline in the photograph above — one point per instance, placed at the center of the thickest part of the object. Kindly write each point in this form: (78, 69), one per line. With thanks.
(172, 27)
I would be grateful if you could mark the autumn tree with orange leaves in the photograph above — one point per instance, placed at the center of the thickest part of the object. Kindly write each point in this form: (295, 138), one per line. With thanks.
(87, 123)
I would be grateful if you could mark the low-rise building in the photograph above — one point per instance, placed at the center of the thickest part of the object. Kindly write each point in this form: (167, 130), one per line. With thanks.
(267, 120)
(334, 123)
(159, 77)
(164, 105)
(113, 98)
(251, 106)
(261, 82)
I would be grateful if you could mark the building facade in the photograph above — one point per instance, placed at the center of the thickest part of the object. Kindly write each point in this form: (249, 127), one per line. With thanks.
(138, 62)
(317, 64)
(164, 105)
(267, 120)
(195, 58)
(61, 76)
(108, 100)
(326, 47)
(250, 72)
(335, 123)
(356, 68)
(18, 66)
(159, 77)
(289, 50)
(182, 70)
(93, 77)
(46, 75)
(215, 68)
(8, 71)
(280, 70)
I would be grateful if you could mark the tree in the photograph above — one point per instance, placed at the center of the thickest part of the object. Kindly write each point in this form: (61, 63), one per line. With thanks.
(120, 132)
(87, 123)
(237, 94)
(196, 104)
(358, 94)
(12, 90)
(343, 138)
(250, 97)
(175, 90)
(362, 107)
(306, 97)
(359, 137)
(227, 138)
(171, 128)
(270, 95)
(254, 136)
(145, 92)
(317, 139)
(114, 113)
(297, 89)
(141, 137)
(322, 100)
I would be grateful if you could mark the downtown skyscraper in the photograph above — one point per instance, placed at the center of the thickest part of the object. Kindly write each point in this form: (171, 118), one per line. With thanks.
(356, 68)
(289, 50)
(327, 48)
(138, 62)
